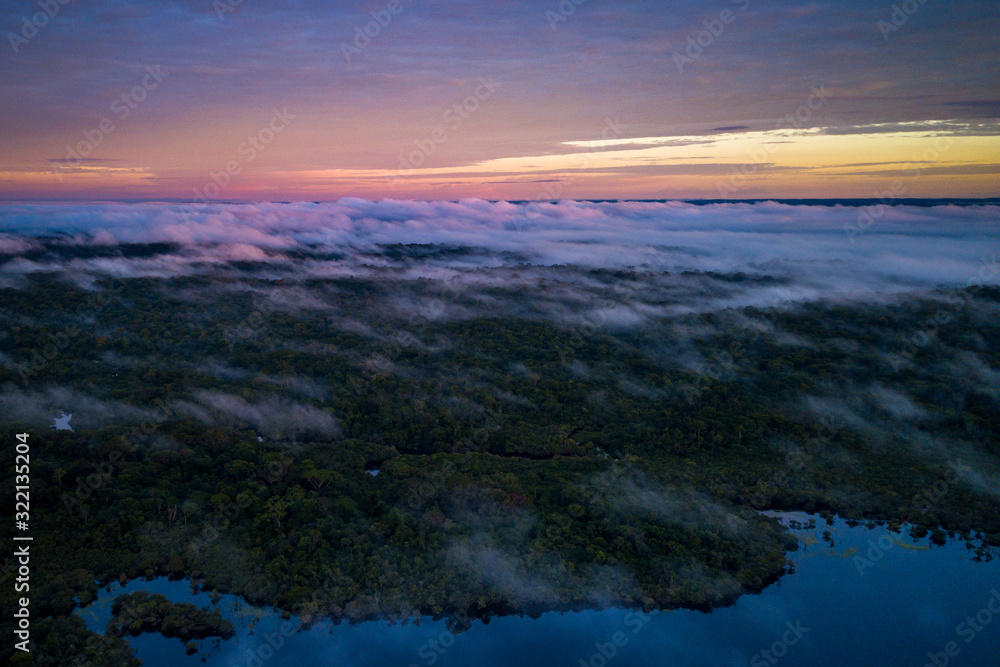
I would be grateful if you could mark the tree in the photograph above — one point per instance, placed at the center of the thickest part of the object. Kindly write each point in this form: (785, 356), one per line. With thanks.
(275, 509)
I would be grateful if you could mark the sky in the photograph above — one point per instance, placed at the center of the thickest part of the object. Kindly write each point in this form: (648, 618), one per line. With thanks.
(246, 100)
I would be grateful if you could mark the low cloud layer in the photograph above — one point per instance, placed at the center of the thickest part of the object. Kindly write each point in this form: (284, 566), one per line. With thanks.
(273, 417)
(689, 257)
(40, 408)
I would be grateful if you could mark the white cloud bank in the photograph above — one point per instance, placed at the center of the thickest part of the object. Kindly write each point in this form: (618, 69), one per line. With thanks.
(818, 251)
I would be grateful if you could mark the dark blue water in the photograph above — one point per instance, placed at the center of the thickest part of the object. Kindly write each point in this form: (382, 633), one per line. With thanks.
(868, 600)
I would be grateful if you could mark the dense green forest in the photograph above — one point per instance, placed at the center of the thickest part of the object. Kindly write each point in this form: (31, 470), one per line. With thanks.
(315, 446)
(136, 613)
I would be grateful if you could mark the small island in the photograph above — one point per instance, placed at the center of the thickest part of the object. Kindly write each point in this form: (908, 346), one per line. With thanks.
(136, 613)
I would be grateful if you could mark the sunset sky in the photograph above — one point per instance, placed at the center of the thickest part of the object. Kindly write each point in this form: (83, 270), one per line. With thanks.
(290, 100)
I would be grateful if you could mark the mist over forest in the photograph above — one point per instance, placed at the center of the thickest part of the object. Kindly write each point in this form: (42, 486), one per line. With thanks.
(391, 409)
